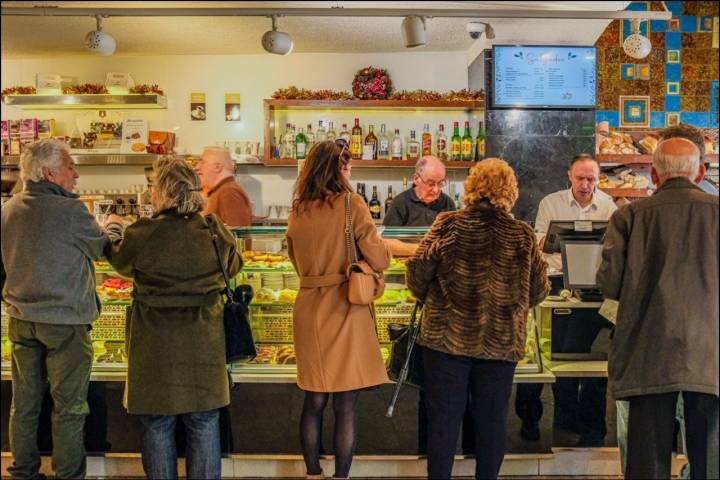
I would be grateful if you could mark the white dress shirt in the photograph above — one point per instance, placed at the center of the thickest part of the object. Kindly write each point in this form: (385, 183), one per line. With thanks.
(562, 206)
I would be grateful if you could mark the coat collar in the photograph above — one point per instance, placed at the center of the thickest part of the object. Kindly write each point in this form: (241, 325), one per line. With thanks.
(220, 184)
(677, 183)
(43, 187)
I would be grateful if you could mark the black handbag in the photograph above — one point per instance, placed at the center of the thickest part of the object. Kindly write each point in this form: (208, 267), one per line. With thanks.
(239, 344)
(406, 365)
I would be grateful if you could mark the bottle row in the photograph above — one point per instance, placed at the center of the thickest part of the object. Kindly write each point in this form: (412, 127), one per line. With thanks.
(384, 146)
(377, 210)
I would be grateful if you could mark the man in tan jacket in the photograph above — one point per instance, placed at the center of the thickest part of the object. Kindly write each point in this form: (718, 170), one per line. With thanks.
(226, 198)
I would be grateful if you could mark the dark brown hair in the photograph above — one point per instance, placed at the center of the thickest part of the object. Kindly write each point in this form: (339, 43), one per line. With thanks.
(321, 177)
(581, 158)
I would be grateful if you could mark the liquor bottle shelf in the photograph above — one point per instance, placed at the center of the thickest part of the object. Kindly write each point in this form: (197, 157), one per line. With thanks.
(375, 104)
(290, 162)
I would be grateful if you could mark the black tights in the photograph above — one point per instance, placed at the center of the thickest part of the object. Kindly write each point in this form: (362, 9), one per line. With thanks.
(345, 409)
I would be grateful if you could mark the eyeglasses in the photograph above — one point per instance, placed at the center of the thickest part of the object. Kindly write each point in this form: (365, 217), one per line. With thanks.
(431, 184)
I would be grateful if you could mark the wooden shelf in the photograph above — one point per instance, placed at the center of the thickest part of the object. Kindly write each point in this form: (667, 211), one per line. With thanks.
(290, 162)
(101, 101)
(626, 192)
(385, 104)
(642, 159)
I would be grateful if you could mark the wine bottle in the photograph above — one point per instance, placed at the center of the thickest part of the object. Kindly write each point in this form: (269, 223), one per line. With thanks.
(375, 205)
(356, 141)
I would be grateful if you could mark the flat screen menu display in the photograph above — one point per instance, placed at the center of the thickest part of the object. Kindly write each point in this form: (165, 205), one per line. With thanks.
(539, 77)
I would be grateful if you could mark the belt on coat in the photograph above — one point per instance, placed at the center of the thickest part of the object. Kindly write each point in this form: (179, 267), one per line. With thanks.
(317, 281)
(178, 300)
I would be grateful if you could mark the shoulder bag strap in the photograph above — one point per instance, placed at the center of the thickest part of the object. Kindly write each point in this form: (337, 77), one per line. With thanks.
(349, 233)
(213, 235)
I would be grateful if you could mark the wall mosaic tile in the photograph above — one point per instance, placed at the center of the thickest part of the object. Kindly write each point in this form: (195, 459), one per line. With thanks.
(674, 82)
(634, 111)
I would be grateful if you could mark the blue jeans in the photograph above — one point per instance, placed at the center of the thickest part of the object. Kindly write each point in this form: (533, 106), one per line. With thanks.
(159, 452)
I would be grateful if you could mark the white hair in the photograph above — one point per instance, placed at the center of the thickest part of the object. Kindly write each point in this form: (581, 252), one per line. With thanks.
(684, 164)
(222, 156)
(421, 164)
(46, 153)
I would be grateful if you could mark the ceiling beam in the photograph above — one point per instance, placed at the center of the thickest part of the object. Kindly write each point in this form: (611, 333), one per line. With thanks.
(334, 12)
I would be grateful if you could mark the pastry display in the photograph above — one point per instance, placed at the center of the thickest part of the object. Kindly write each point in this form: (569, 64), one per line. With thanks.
(617, 143)
(258, 259)
(115, 289)
(274, 355)
(649, 143)
(625, 178)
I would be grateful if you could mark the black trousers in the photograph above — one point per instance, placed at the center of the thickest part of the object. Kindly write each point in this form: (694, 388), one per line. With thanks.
(651, 432)
(448, 378)
(580, 403)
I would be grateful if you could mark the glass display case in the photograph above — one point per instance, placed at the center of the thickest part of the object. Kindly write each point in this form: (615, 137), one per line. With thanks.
(275, 284)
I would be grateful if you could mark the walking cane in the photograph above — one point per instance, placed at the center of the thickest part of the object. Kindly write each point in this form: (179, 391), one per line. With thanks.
(413, 332)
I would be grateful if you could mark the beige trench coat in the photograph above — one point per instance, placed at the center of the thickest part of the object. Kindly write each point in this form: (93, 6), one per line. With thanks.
(335, 342)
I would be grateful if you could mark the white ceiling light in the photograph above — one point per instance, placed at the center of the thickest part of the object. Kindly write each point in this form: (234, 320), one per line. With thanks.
(636, 45)
(413, 31)
(98, 41)
(476, 29)
(279, 43)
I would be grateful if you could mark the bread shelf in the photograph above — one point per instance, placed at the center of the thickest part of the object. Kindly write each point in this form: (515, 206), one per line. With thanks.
(626, 192)
(642, 159)
(88, 102)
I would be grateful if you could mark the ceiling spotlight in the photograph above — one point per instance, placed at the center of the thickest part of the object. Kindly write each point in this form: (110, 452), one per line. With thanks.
(100, 42)
(637, 45)
(413, 31)
(279, 43)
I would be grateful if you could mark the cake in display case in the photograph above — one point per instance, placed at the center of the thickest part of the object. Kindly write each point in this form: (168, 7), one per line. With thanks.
(268, 270)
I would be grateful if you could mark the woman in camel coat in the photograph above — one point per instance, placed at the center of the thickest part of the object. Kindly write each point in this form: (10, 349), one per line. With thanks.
(335, 342)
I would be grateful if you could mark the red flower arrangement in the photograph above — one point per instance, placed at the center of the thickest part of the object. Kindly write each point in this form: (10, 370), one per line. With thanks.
(146, 89)
(85, 89)
(18, 91)
(372, 83)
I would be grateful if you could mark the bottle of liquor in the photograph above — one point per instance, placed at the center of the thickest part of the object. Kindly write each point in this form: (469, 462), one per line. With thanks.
(375, 205)
(389, 199)
(383, 144)
(441, 143)
(290, 142)
(344, 134)
(361, 186)
(396, 147)
(301, 145)
(370, 146)
(331, 133)
(480, 143)
(413, 147)
(310, 136)
(320, 135)
(356, 141)
(458, 203)
(467, 144)
(426, 140)
(283, 142)
(456, 143)
(404, 183)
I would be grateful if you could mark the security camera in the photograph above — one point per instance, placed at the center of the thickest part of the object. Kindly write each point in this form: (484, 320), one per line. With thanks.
(475, 29)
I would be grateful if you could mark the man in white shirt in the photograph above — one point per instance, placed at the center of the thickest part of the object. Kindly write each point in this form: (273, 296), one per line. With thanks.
(579, 403)
(580, 202)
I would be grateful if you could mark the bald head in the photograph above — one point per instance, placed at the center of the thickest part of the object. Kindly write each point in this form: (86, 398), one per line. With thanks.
(214, 166)
(676, 158)
(429, 178)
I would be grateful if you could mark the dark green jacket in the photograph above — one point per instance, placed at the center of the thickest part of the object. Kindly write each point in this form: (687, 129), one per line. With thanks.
(660, 261)
(174, 334)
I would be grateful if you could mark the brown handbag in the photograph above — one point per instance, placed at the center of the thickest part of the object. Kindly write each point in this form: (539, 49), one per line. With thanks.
(364, 284)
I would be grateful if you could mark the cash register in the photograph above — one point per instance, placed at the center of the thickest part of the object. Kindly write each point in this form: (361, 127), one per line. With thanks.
(574, 328)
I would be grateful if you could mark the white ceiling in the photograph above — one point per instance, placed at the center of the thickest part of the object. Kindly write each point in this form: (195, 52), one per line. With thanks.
(28, 37)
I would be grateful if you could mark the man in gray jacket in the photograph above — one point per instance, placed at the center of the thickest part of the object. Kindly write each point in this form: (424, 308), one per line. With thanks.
(49, 242)
(660, 257)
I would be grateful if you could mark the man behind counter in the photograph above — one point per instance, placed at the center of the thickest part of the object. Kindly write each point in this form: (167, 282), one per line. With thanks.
(579, 403)
(418, 206)
(226, 198)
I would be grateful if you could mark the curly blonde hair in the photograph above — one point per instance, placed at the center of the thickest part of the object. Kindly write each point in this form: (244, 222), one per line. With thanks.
(494, 180)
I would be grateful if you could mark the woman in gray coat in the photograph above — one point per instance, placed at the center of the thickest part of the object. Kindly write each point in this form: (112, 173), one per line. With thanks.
(174, 334)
